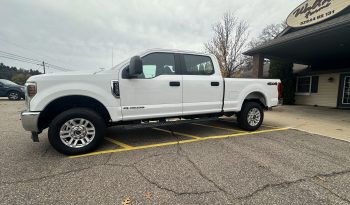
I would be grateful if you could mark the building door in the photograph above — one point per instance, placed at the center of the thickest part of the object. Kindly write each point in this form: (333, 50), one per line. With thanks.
(344, 91)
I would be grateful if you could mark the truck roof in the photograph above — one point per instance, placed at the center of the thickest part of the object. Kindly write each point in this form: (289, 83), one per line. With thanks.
(175, 51)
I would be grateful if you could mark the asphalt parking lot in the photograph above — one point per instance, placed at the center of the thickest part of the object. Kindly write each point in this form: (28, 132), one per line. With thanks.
(205, 163)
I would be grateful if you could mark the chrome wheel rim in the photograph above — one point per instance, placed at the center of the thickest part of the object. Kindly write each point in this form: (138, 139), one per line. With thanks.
(13, 96)
(77, 133)
(254, 117)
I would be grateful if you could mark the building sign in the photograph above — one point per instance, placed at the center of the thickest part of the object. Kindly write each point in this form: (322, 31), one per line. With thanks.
(315, 11)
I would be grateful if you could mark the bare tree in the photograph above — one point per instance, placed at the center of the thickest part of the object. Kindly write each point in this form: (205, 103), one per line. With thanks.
(228, 43)
(267, 34)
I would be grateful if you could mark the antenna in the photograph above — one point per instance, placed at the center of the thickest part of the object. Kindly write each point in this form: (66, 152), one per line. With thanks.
(112, 57)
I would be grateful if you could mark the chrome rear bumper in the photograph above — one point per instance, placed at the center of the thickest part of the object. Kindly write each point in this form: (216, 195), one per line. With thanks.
(30, 121)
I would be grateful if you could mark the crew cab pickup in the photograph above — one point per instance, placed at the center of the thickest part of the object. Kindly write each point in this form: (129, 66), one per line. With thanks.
(150, 89)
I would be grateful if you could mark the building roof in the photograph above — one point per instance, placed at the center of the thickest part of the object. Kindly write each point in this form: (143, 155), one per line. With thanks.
(326, 41)
(297, 68)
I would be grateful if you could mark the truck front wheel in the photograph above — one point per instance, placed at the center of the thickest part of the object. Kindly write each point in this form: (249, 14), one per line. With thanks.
(251, 116)
(76, 131)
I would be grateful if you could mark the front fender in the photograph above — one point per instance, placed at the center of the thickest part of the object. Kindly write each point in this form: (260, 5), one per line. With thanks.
(47, 95)
(103, 94)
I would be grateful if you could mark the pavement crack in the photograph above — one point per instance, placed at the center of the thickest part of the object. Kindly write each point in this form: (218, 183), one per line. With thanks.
(288, 183)
(167, 189)
(200, 172)
(45, 177)
(58, 174)
(332, 174)
(283, 184)
(332, 192)
(308, 153)
(108, 158)
(140, 160)
(182, 153)
(45, 152)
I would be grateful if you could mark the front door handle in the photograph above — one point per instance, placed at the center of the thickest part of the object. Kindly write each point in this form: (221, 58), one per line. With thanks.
(215, 83)
(174, 83)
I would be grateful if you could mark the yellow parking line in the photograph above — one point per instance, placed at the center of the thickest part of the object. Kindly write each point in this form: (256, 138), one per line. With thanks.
(117, 142)
(178, 133)
(217, 127)
(263, 125)
(134, 148)
(173, 143)
(270, 126)
(245, 133)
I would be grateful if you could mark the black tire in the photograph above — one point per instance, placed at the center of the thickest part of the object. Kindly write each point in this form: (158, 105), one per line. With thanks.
(59, 121)
(242, 116)
(14, 95)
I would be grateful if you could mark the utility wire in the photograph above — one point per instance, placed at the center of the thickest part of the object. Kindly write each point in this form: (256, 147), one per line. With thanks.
(29, 49)
(35, 63)
(21, 60)
(16, 57)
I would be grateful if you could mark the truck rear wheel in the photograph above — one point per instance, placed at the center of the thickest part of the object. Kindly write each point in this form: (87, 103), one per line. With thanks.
(251, 116)
(76, 131)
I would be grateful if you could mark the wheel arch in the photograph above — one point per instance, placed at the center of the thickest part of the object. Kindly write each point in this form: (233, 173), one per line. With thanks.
(11, 90)
(64, 103)
(258, 97)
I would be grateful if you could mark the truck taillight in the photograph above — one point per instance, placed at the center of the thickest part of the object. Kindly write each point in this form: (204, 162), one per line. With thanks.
(279, 89)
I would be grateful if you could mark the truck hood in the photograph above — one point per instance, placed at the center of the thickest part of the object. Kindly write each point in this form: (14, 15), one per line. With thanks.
(72, 75)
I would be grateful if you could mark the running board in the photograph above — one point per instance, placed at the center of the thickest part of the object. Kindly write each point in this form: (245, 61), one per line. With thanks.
(164, 124)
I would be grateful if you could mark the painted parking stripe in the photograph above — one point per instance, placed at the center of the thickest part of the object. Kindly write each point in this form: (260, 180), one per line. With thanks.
(176, 142)
(246, 133)
(123, 145)
(178, 133)
(217, 127)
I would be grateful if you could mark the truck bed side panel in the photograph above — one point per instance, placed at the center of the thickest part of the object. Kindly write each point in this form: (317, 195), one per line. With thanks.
(237, 90)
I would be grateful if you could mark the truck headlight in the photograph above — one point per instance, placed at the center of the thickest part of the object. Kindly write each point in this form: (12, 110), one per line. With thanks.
(31, 89)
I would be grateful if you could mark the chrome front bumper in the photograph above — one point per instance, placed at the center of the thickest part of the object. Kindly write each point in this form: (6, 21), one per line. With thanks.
(30, 121)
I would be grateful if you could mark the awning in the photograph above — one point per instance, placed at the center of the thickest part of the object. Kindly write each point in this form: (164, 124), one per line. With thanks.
(316, 45)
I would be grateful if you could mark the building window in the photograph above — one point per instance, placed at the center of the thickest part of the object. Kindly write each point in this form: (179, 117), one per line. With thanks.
(307, 84)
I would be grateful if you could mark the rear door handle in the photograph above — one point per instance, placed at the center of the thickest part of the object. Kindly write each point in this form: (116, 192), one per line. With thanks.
(174, 83)
(215, 83)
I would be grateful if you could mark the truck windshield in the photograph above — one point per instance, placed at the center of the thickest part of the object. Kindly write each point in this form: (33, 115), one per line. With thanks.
(7, 82)
(119, 64)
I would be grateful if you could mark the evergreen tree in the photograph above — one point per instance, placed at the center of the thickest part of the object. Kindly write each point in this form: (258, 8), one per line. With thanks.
(284, 71)
(16, 75)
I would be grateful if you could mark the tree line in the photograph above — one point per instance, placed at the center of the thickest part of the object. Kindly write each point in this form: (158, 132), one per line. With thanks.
(17, 75)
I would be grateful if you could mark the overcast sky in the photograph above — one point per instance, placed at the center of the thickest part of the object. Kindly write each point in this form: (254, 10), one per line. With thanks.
(81, 34)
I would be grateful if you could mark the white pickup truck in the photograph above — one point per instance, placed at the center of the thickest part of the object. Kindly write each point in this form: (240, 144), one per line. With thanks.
(151, 89)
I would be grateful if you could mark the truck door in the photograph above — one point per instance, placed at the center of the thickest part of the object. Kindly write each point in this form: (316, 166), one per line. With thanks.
(202, 86)
(156, 93)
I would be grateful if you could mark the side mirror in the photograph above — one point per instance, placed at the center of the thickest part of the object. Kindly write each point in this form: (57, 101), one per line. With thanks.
(135, 66)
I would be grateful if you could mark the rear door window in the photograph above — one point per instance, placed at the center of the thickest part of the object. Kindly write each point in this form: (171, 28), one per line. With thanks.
(198, 65)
